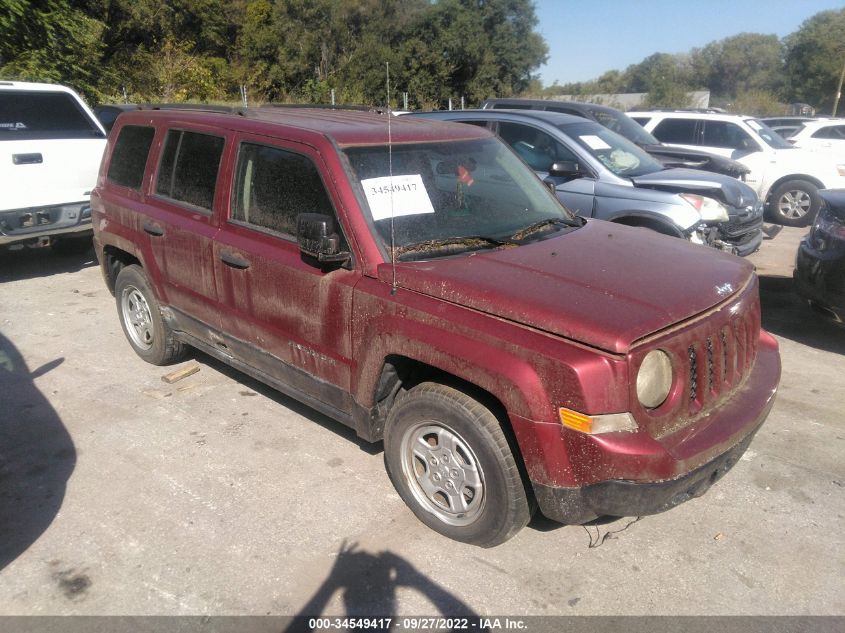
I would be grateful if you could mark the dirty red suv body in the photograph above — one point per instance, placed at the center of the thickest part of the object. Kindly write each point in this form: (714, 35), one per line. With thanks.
(415, 281)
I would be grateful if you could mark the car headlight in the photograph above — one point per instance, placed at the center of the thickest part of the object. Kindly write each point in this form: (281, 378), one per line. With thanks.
(654, 380)
(710, 210)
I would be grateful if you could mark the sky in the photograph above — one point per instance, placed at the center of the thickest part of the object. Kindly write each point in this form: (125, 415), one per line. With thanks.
(588, 37)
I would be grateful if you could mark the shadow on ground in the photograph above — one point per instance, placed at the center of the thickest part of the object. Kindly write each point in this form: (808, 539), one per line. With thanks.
(29, 263)
(786, 314)
(368, 583)
(37, 455)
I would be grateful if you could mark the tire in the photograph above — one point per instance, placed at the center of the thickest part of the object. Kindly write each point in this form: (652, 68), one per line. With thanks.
(468, 487)
(140, 316)
(66, 246)
(794, 203)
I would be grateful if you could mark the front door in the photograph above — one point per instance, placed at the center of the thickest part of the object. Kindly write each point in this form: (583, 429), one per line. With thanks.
(287, 315)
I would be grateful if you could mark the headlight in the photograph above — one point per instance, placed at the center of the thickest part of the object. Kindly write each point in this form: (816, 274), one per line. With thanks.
(654, 380)
(710, 210)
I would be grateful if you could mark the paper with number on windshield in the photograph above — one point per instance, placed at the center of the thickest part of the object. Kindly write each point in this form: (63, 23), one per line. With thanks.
(594, 142)
(409, 196)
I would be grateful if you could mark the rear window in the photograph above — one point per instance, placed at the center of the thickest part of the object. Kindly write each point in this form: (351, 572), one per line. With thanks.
(27, 115)
(129, 157)
(188, 169)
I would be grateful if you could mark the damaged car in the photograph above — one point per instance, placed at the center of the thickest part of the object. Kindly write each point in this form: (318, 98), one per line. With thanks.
(415, 281)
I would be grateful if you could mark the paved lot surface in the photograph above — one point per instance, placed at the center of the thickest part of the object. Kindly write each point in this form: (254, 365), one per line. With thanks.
(120, 494)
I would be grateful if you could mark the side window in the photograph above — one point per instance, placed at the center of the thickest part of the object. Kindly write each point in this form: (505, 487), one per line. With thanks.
(727, 135)
(832, 132)
(129, 157)
(680, 131)
(642, 120)
(188, 168)
(534, 146)
(272, 186)
(476, 122)
(512, 106)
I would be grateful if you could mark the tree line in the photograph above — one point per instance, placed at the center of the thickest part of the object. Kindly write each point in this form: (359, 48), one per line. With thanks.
(279, 50)
(308, 50)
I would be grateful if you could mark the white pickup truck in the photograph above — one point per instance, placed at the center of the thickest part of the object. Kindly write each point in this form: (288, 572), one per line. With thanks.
(51, 146)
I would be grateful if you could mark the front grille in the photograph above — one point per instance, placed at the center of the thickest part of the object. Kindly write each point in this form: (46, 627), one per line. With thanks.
(720, 360)
(712, 356)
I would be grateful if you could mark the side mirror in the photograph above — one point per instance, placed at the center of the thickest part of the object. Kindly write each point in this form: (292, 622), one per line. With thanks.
(566, 169)
(317, 237)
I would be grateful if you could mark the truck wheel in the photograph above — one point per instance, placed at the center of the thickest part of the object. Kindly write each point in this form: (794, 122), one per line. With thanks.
(150, 337)
(450, 461)
(795, 203)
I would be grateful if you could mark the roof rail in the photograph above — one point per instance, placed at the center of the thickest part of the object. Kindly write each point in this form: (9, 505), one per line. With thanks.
(698, 110)
(324, 106)
(197, 107)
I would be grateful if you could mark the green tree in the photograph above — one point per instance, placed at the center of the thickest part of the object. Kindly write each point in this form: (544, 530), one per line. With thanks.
(740, 63)
(815, 54)
(51, 41)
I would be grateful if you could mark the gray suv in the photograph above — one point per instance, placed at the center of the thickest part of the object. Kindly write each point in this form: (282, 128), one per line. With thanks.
(598, 173)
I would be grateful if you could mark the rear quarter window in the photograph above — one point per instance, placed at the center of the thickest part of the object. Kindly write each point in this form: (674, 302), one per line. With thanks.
(29, 115)
(188, 168)
(129, 157)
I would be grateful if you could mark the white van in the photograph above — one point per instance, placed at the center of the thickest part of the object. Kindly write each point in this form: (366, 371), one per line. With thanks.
(785, 177)
(51, 146)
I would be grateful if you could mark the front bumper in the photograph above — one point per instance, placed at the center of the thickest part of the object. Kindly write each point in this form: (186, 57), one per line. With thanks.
(744, 232)
(36, 223)
(633, 498)
(577, 477)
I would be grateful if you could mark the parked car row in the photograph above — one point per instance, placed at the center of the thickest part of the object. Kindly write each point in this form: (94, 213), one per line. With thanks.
(786, 178)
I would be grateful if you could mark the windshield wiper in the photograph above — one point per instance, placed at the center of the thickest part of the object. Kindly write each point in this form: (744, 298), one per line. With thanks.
(467, 241)
(521, 234)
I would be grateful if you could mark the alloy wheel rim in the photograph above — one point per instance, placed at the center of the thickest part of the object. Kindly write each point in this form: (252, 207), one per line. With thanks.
(444, 474)
(795, 204)
(137, 316)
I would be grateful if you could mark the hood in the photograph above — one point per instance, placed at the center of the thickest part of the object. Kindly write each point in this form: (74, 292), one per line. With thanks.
(727, 190)
(605, 285)
(696, 159)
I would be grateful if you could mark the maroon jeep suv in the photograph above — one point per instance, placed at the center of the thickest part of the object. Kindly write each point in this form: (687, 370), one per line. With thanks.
(416, 281)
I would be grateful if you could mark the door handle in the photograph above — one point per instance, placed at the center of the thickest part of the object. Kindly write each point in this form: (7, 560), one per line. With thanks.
(27, 159)
(234, 261)
(153, 229)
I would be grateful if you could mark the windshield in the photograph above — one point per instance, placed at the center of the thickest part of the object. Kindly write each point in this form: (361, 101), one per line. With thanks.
(769, 136)
(624, 125)
(452, 197)
(615, 152)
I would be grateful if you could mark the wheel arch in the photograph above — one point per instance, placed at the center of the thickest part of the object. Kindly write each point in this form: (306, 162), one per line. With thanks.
(113, 261)
(777, 183)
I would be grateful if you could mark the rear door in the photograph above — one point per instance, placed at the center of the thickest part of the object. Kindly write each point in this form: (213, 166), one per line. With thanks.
(180, 224)
(682, 132)
(286, 314)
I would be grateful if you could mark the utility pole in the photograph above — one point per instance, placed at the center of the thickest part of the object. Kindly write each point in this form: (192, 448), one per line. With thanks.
(838, 91)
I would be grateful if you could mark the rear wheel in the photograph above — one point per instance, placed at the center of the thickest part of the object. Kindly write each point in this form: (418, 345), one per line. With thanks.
(449, 459)
(795, 203)
(140, 316)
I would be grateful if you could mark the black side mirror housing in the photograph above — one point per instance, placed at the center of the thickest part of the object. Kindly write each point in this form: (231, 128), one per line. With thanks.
(566, 169)
(318, 238)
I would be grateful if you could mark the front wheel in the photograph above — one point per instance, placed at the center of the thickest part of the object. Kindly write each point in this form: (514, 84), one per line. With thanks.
(795, 203)
(450, 461)
(140, 316)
